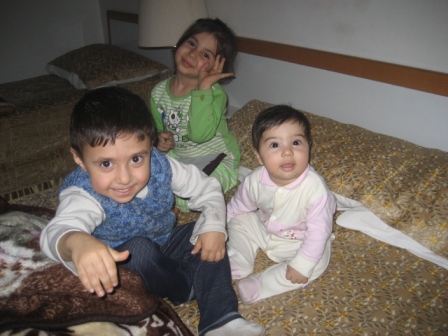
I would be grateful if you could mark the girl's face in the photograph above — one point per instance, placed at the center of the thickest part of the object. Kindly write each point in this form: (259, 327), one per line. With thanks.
(197, 52)
(284, 151)
(118, 171)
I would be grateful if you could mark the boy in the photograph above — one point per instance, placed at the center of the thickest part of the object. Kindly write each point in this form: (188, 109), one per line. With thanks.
(116, 207)
(283, 207)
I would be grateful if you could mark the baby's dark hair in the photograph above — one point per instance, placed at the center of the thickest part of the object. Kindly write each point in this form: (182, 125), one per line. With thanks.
(225, 37)
(103, 115)
(275, 116)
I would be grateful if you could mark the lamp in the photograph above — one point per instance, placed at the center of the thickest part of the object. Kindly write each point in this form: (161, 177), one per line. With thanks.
(162, 22)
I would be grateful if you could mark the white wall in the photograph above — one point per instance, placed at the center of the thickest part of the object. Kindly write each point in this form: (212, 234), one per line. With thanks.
(407, 32)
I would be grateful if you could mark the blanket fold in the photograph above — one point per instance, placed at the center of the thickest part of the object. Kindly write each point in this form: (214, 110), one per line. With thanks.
(39, 294)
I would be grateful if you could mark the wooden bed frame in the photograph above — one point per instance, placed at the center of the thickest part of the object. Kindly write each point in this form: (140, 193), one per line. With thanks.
(409, 77)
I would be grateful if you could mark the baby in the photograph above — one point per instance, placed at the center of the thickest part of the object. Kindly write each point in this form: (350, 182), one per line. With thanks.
(283, 207)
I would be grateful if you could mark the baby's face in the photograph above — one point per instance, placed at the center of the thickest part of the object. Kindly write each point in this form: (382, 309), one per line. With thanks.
(284, 151)
(118, 171)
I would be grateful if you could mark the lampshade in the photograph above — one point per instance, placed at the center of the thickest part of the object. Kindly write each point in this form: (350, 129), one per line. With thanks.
(162, 22)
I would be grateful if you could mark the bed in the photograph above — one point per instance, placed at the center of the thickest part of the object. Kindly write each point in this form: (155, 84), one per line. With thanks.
(35, 112)
(388, 273)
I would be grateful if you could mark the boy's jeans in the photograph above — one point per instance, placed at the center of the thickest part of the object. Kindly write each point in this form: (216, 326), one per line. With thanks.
(172, 271)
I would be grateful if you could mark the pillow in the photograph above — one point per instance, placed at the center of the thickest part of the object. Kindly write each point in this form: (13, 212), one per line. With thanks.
(98, 65)
(405, 185)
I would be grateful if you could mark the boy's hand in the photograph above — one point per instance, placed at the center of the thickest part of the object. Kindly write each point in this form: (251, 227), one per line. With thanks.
(165, 141)
(208, 77)
(212, 246)
(94, 260)
(294, 276)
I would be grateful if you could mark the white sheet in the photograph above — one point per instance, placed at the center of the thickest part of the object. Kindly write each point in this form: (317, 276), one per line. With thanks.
(357, 217)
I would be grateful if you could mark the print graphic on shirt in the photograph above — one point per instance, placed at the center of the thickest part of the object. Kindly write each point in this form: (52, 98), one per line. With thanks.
(295, 231)
(172, 122)
(290, 234)
(174, 118)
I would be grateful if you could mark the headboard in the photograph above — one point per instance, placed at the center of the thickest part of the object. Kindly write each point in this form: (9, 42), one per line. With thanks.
(413, 78)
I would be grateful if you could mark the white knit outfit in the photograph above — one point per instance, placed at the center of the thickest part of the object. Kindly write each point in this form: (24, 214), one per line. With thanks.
(291, 224)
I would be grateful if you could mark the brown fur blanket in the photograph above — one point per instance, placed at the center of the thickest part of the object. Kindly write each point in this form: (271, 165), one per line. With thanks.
(40, 296)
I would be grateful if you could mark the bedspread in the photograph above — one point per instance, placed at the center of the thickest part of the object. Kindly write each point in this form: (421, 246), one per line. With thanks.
(370, 287)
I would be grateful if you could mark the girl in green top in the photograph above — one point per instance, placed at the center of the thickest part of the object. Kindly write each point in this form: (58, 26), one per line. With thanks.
(189, 108)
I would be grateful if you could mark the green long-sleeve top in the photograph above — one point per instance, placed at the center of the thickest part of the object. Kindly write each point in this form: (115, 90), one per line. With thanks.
(197, 121)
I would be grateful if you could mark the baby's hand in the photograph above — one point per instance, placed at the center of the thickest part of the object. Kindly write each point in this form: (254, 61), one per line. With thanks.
(294, 276)
(212, 246)
(165, 141)
(95, 261)
(208, 77)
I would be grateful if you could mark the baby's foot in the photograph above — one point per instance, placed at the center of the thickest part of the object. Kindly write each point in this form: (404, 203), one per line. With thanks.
(249, 289)
(239, 327)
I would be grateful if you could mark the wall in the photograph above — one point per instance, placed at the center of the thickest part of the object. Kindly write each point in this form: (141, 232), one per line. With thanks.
(408, 32)
(33, 32)
(126, 34)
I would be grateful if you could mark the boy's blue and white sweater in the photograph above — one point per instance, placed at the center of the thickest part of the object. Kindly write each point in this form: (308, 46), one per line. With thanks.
(149, 214)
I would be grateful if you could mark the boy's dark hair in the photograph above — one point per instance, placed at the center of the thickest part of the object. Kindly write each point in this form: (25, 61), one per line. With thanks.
(275, 116)
(103, 115)
(225, 37)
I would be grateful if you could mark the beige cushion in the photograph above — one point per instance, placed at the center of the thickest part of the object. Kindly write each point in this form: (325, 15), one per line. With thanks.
(98, 65)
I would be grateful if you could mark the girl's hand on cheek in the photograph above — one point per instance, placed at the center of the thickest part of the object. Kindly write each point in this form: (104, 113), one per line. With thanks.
(208, 77)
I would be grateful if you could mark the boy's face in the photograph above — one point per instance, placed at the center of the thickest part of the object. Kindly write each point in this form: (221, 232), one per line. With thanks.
(284, 151)
(120, 170)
